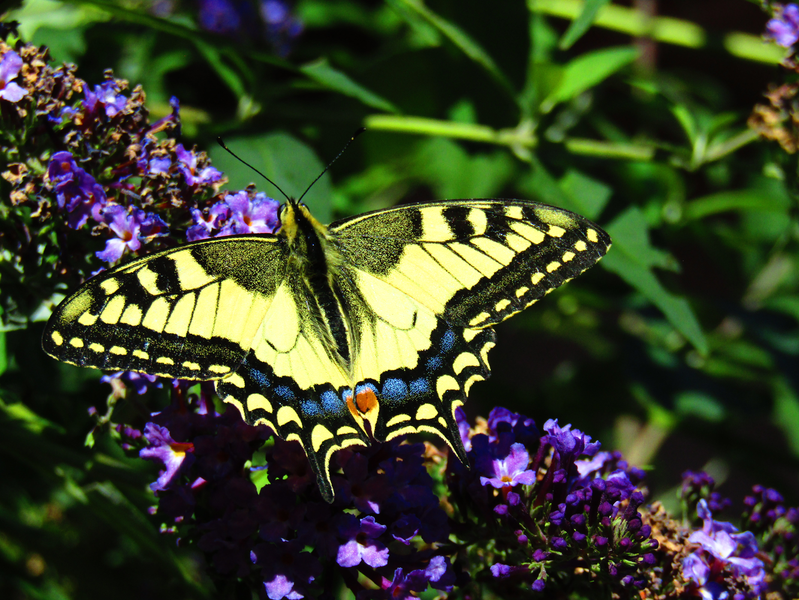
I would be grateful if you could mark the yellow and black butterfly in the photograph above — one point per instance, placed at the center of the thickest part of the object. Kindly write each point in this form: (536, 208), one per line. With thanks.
(373, 327)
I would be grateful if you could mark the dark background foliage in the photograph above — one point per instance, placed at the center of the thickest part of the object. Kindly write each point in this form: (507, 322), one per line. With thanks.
(680, 349)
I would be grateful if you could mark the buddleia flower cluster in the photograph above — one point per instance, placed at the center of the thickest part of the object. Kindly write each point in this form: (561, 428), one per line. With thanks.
(538, 512)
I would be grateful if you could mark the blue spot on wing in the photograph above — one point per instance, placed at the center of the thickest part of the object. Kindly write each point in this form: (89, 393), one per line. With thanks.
(434, 363)
(331, 402)
(284, 393)
(447, 341)
(420, 386)
(311, 408)
(395, 390)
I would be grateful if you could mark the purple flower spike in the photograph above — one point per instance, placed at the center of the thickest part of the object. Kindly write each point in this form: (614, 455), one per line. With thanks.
(362, 543)
(77, 192)
(508, 472)
(784, 27)
(10, 67)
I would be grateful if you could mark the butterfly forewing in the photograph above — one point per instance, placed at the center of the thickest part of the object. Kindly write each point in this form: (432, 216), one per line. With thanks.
(190, 313)
(473, 262)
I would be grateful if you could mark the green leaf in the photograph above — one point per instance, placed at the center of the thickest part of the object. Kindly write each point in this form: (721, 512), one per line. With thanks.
(633, 257)
(582, 23)
(322, 73)
(458, 37)
(587, 71)
(285, 160)
(699, 404)
(454, 173)
(575, 191)
(590, 195)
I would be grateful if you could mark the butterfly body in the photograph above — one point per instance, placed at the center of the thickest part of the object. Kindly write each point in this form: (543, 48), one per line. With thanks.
(373, 327)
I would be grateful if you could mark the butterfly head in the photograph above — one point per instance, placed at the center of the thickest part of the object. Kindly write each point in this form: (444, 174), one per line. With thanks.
(296, 221)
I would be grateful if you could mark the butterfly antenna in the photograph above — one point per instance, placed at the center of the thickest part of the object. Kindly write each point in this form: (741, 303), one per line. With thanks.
(347, 145)
(241, 160)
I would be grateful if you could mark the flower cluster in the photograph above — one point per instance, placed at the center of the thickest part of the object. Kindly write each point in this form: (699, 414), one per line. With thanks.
(258, 514)
(776, 528)
(555, 506)
(725, 560)
(243, 212)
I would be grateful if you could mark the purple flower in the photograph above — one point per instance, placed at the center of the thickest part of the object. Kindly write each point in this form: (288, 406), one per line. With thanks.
(287, 571)
(258, 215)
(10, 67)
(569, 443)
(77, 192)
(721, 546)
(507, 472)
(187, 163)
(130, 228)
(105, 95)
(784, 27)
(362, 543)
(172, 454)
(159, 165)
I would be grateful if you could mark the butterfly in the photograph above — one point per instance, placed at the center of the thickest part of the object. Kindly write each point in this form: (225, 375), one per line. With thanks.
(370, 328)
